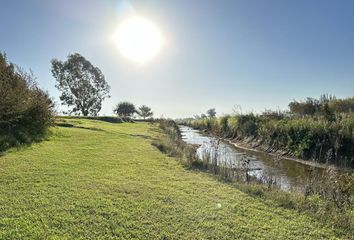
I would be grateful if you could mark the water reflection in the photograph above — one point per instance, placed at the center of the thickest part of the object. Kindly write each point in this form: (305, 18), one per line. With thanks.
(287, 174)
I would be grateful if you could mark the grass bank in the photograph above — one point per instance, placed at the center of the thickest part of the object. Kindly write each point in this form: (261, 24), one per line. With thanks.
(98, 180)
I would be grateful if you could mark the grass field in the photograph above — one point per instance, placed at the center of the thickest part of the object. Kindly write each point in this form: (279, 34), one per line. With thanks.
(100, 180)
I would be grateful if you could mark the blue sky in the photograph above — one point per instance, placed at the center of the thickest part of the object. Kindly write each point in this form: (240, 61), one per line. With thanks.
(257, 54)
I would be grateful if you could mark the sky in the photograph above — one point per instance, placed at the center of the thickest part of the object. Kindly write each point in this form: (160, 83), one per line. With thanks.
(216, 54)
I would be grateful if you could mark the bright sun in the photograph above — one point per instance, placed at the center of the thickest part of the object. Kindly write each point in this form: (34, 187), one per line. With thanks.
(138, 39)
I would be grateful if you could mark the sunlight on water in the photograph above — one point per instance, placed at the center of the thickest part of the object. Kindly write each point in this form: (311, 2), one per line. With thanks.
(287, 174)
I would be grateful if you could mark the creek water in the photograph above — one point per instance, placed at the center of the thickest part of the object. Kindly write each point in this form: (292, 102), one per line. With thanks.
(287, 174)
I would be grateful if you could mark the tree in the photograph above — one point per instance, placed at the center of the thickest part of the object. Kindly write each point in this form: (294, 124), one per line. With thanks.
(83, 86)
(211, 113)
(125, 109)
(145, 111)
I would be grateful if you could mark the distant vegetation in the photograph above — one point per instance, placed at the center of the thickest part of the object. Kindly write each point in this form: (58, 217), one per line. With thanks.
(211, 112)
(145, 112)
(326, 105)
(320, 130)
(26, 111)
(127, 110)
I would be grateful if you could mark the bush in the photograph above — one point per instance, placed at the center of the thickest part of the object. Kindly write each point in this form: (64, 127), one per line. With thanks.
(26, 112)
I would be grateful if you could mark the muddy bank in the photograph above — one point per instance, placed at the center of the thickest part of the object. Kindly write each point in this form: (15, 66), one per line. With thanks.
(253, 145)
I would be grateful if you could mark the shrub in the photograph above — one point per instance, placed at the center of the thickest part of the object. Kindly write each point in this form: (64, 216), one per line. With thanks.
(26, 111)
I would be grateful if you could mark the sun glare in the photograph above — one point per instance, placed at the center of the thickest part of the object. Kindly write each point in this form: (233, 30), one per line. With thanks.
(138, 39)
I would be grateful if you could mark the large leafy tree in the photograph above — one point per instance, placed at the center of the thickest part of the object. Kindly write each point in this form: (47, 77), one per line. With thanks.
(83, 86)
(145, 112)
(125, 109)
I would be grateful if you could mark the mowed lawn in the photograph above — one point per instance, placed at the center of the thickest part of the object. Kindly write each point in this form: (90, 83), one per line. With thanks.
(101, 180)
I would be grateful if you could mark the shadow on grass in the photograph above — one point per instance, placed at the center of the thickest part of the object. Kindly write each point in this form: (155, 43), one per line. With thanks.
(23, 145)
(102, 118)
(142, 136)
(69, 125)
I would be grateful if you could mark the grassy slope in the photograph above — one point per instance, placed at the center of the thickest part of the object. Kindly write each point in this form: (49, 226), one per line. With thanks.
(110, 184)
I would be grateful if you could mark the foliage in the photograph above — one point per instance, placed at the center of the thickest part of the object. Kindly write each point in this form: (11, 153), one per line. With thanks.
(308, 107)
(125, 109)
(223, 123)
(26, 111)
(211, 113)
(145, 112)
(342, 105)
(82, 85)
(326, 105)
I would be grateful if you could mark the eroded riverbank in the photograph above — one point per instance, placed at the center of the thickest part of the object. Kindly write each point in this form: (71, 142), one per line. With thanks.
(287, 172)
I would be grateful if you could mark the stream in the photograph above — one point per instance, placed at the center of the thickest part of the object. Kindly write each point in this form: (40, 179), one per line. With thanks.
(287, 174)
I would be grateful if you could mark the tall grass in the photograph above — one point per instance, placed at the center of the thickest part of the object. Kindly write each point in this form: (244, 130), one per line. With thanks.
(209, 160)
(309, 138)
(173, 145)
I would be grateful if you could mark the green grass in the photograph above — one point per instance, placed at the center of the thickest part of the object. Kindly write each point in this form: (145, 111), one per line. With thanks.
(101, 180)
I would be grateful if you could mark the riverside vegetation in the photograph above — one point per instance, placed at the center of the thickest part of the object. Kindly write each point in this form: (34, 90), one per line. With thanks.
(315, 130)
(100, 180)
(328, 198)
